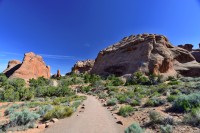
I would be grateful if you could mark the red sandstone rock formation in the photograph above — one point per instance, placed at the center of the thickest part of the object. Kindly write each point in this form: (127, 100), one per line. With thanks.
(186, 46)
(83, 66)
(32, 66)
(149, 53)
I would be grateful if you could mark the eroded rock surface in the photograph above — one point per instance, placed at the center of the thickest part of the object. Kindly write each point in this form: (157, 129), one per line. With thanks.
(32, 66)
(83, 66)
(149, 53)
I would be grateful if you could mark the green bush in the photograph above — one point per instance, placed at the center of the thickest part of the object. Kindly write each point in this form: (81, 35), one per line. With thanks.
(58, 112)
(137, 78)
(125, 110)
(186, 102)
(155, 117)
(166, 129)
(44, 109)
(17, 83)
(10, 95)
(193, 118)
(3, 79)
(41, 81)
(135, 102)
(171, 98)
(134, 128)
(23, 118)
(11, 109)
(154, 102)
(122, 98)
(112, 102)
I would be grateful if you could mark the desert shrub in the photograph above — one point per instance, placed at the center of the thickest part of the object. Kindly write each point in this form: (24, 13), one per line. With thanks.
(17, 83)
(193, 118)
(137, 78)
(122, 98)
(11, 109)
(85, 89)
(134, 128)
(25, 94)
(171, 98)
(112, 102)
(58, 112)
(168, 121)
(125, 110)
(135, 102)
(174, 82)
(76, 104)
(23, 118)
(102, 95)
(166, 129)
(41, 81)
(3, 79)
(154, 102)
(114, 81)
(44, 109)
(186, 102)
(155, 117)
(10, 95)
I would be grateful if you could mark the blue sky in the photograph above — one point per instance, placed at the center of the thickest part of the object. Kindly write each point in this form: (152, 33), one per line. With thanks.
(65, 31)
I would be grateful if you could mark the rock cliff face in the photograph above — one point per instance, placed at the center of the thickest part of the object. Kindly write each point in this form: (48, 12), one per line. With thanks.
(32, 66)
(149, 53)
(83, 66)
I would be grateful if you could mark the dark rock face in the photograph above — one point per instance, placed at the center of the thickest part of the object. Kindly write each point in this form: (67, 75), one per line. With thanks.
(186, 46)
(32, 66)
(149, 53)
(83, 66)
(12, 66)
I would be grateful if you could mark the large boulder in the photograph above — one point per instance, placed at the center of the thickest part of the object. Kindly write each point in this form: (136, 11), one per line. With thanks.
(148, 53)
(83, 66)
(32, 66)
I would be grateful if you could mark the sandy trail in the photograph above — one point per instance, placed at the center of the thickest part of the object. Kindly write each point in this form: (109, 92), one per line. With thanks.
(94, 119)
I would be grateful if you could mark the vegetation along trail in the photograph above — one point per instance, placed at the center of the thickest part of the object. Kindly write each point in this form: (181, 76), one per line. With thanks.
(90, 118)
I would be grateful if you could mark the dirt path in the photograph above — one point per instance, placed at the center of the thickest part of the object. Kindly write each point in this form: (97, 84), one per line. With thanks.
(94, 119)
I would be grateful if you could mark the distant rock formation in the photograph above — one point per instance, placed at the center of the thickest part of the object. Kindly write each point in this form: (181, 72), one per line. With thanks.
(149, 53)
(32, 66)
(57, 75)
(194, 52)
(83, 66)
(186, 46)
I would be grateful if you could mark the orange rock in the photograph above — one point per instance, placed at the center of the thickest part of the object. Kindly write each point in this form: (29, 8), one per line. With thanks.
(32, 66)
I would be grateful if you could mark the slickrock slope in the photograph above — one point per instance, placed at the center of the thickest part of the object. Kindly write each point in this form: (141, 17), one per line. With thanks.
(32, 66)
(83, 66)
(149, 53)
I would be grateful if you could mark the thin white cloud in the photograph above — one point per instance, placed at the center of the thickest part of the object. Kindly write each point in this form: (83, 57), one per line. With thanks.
(44, 56)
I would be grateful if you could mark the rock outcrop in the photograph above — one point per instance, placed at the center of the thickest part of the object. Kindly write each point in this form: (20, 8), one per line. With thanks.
(149, 53)
(57, 75)
(186, 46)
(13, 65)
(32, 66)
(83, 66)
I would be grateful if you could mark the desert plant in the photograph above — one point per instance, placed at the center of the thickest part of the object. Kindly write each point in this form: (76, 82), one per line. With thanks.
(186, 102)
(171, 98)
(166, 129)
(154, 102)
(193, 118)
(44, 109)
(125, 110)
(112, 102)
(135, 102)
(58, 112)
(134, 128)
(155, 117)
(23, 118)
(11, 109)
